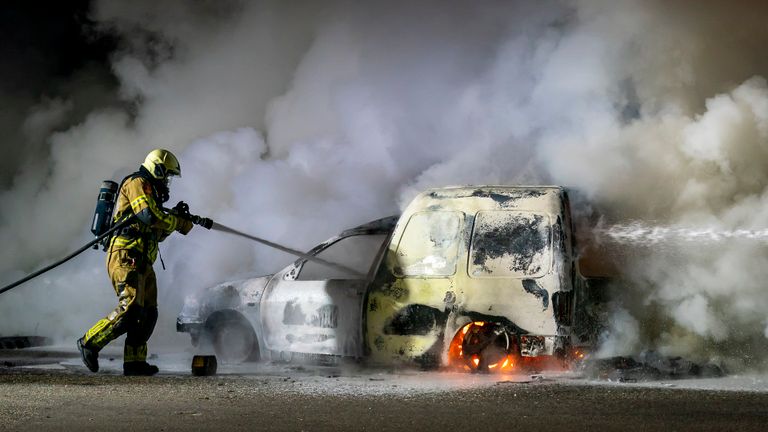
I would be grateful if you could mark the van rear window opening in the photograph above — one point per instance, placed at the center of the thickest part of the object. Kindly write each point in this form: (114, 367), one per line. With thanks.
(511, 244)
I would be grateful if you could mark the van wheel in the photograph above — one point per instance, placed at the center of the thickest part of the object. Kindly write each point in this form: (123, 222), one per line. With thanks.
(481, 346)
(234, 340)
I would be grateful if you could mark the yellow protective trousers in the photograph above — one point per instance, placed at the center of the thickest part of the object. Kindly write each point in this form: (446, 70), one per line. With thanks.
(136, 313)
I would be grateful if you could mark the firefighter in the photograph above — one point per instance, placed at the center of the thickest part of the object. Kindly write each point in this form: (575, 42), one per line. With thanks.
(132, 251)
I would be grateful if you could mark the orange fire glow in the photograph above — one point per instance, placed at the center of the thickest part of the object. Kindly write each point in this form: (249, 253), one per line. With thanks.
(508, 364)
(578, 354)
(466, 328)
(474, 361)
(512, 361)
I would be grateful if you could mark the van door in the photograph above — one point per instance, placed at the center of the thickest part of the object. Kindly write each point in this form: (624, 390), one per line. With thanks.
(318, 310)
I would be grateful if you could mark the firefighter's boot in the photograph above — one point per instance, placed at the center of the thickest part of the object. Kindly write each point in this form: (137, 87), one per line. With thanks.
(90, 356)
(139, 368)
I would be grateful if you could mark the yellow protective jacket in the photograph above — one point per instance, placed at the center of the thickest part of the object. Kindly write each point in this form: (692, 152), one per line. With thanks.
(135, 195)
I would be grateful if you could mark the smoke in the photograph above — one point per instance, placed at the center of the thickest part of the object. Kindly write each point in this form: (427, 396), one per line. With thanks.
(295, 121)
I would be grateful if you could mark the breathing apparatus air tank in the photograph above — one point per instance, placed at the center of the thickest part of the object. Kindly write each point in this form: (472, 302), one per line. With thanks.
(102, 217)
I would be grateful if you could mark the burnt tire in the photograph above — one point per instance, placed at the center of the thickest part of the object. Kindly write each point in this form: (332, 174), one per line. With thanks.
(234, 340)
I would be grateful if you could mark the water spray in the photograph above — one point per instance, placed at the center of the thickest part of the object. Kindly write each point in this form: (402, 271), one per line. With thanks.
(640, 233)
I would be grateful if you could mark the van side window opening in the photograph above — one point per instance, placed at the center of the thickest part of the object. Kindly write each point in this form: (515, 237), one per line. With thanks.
(356, 252)
(429, 245)
(511, 244)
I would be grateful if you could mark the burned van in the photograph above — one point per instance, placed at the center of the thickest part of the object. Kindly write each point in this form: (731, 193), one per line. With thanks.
(479, 278)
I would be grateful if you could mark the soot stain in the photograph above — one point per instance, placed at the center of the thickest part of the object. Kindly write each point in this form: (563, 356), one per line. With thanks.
(374, 305)
(501, 198)
(519, 239)
(394, 290)
(509, 196)
(415, 319)
(292, 314)
(326, 316)
(379, 343)
(530, 286)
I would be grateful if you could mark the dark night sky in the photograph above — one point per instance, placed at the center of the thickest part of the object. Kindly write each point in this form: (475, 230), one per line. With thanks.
(44, 42)
(50, 50)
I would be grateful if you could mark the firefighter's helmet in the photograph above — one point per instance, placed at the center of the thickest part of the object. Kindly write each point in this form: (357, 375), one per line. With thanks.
(162, 164)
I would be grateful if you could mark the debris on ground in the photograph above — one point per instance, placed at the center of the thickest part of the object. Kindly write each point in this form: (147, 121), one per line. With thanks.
(18, 342)
(649, 366)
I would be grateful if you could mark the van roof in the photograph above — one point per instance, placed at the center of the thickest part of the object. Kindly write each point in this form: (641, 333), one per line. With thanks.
(477, 198)
(462, 191)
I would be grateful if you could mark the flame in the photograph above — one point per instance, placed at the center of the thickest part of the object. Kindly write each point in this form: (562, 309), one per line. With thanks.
(479, 323)
(476, 360)
(466, 328)
(508, 364)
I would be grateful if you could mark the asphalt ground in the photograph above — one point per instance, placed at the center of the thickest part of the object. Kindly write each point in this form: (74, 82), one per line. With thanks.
(64, 396)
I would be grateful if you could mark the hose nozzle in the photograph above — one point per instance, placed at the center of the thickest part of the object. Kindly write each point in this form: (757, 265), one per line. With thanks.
(204, 222)
(182, 210)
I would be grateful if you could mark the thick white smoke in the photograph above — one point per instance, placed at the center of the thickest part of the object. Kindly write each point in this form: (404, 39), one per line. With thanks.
(295, 121)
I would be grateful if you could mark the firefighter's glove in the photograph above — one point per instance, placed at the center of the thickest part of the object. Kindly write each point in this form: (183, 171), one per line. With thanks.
(204, 222)
(184, 226)
(182, 210)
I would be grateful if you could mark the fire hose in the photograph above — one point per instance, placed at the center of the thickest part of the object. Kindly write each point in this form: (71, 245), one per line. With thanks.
(183, 210)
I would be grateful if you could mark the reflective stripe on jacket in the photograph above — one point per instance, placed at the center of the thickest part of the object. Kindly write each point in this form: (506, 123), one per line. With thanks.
(135, 195)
